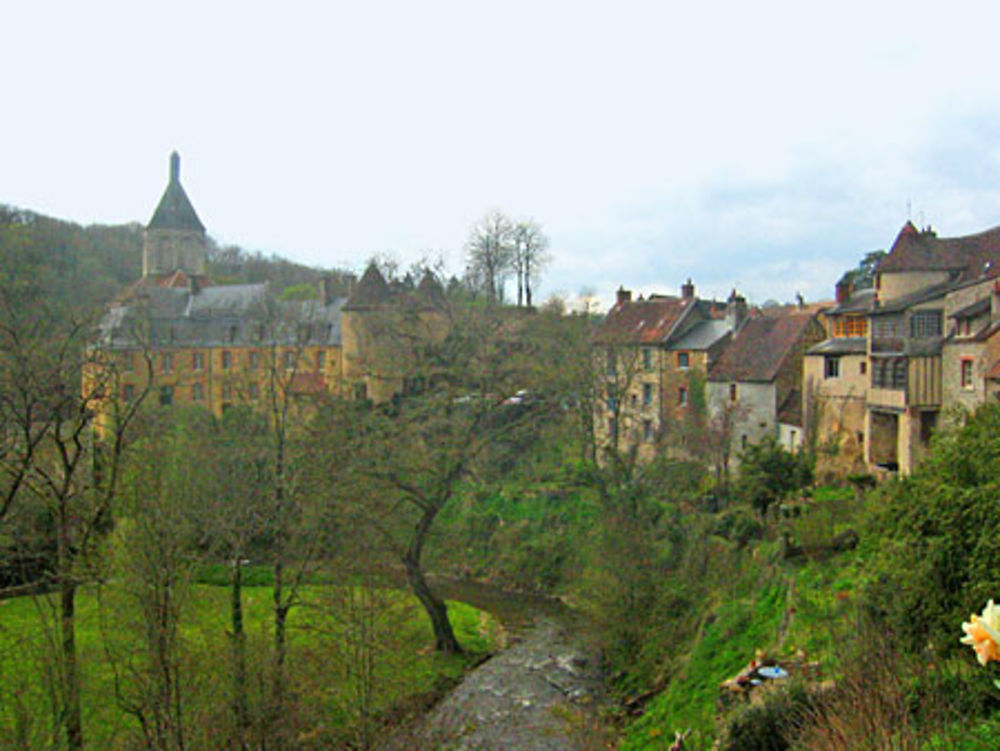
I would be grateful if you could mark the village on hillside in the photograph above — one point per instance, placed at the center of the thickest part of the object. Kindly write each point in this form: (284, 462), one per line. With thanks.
(870, 373)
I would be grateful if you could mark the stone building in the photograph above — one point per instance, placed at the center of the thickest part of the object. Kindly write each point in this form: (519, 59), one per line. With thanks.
(757, 376)
(835, 382)
(923, 283)
(654, 355)
(193, 342)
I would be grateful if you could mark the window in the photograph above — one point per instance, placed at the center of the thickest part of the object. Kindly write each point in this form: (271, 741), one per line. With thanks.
(197, 360)
(682, 396)
(647, 431)
(850, 326)
(683, 360)
(321, 359)
(288, 360)
(254, 360)
(831, 367)
(967, 374)
(227, 391)
(166, 396)
(889, 372)
(167, 362)
(647, 394)
(647, 359)
(227, 359)
(732, 392)
(197, 391)
(863, 367)
(887, 327)
(925, 324)
(899, 373)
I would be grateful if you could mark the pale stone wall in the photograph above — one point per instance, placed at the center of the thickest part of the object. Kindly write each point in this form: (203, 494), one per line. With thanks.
(836, 410)
(893, 285)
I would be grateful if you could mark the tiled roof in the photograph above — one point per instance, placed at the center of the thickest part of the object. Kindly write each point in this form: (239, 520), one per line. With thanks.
(643, 321)
(175, 210)
(968, 256)
(757, 350)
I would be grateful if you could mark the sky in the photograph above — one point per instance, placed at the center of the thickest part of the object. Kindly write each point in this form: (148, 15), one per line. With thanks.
(761, 146)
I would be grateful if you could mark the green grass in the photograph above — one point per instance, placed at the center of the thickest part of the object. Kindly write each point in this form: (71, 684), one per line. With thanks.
(320, 665)
(725, 646)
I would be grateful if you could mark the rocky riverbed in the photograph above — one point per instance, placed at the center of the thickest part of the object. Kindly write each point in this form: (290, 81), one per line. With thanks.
(541, 693)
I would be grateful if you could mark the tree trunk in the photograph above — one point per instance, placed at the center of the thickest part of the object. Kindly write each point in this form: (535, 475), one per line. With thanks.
(241, 715)
(444, 637)
(71, 686)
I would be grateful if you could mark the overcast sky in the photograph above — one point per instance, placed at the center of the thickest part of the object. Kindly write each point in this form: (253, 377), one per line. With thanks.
(763, 145)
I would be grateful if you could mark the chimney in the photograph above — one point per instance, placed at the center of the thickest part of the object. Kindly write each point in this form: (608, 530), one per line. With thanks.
(194, 287)
(326, 289)
(736, 311)
(352, 282)
(624, 295)
(800, 300)
(844, 291)
(687, 290)
(175, 167)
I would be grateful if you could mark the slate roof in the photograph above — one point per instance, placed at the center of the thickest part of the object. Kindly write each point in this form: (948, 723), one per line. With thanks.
(976, 309)
(703, 335)
(648, 321)
(790, 410)
(967, 257)
(756, 352)
(238, 314)
(175, 210)
(860, 301)
(844, 345)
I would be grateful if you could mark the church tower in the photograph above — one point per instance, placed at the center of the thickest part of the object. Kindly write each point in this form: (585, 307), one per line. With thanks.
(175, 238)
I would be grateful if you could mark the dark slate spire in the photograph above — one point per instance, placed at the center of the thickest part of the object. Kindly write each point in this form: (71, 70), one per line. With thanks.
(175, 210)
(371, 291)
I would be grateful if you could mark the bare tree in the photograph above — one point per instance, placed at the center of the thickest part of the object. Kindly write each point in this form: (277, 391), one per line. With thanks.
(489, 254)
(530, 256)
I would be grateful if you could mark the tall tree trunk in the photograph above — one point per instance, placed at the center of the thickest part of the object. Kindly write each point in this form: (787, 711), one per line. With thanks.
(71, 686)
(241, 715)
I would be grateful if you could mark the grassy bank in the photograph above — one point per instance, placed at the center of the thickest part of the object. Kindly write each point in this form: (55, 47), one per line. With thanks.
(324, 663)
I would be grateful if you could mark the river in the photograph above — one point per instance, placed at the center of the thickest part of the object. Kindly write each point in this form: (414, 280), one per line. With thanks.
(541, 693)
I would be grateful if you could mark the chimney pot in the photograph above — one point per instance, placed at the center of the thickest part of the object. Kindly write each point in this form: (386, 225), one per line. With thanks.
(624, 295)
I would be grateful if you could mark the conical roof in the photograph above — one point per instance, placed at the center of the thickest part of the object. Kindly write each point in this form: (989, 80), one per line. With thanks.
(175, 210)
(371, 291)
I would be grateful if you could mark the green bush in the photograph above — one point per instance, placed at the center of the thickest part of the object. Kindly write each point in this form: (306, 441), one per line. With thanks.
(769, 473)
(738, 525)
(767, 725)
